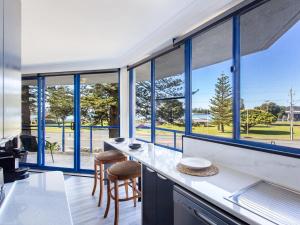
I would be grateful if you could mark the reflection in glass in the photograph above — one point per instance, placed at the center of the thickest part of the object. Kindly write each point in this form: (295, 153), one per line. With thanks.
(142, 76)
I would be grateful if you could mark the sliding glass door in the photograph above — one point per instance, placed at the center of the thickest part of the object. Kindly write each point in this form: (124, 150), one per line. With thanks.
(99, 100)
(50, 131)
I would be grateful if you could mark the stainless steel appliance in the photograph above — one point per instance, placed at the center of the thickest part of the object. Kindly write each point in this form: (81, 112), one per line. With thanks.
(9, 158)
(191, 210)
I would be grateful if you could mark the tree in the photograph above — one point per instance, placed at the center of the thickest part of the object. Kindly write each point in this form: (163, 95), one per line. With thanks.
(272, 108)
(143, 100)
(253, 117)
(166, 89)
(99, 104)
(29, 106)
(221, 103)
(170, 111)
(60, 99)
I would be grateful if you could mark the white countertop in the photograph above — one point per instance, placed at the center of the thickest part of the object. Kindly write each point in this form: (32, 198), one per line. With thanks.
(212, 189)
(38, 200)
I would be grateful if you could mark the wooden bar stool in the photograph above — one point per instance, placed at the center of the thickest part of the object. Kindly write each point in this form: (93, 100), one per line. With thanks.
(122, 171)
(106, 157)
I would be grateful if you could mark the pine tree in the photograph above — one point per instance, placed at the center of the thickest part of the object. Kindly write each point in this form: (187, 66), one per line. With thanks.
(221, 103)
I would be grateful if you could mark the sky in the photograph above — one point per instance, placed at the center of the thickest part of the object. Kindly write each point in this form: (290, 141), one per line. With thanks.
(265, 76)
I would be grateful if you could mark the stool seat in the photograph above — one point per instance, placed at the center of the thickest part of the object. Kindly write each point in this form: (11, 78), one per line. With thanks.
(109, 156)
(125, 170)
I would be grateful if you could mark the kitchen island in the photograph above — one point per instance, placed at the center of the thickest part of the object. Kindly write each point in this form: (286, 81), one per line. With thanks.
(39, 199)
(162, 162)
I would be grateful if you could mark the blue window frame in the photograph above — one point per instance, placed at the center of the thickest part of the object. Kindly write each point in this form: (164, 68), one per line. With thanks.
(41, 109)
(241, 34)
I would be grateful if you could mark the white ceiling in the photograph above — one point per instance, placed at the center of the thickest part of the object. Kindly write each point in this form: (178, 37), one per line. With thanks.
(61, 35)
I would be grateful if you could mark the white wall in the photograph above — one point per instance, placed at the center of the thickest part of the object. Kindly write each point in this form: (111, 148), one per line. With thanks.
(124, 102)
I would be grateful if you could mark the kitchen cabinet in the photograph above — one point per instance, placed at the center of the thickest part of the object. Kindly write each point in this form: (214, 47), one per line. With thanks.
(157, 198)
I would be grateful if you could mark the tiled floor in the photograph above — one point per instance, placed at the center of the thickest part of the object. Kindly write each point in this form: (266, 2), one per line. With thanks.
(84, 206)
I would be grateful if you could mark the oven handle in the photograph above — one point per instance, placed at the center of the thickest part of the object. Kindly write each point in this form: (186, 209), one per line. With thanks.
(204, 218)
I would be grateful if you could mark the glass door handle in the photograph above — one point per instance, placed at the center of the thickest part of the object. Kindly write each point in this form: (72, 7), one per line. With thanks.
(73, 126)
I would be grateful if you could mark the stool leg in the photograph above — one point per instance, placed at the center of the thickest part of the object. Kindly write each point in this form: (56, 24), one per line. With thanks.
(108, 199)
(126, 187)
(101, 185)
(95, 179)
(134, 191)
(116, 186)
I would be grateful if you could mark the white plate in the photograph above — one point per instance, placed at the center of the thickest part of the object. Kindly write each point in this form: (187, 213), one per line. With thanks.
(195, 162)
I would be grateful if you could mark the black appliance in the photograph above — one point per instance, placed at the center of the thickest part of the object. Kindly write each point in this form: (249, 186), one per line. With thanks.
(9, 161)
(191, 210)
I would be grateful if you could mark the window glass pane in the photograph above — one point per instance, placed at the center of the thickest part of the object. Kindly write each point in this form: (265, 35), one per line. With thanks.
(99, 101)
(59, 121)
(170, 104)
(212, 81)
(28, 138)
(270, 90)
(142, 75)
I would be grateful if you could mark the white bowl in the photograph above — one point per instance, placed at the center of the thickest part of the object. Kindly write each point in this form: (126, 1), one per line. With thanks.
(195, 162)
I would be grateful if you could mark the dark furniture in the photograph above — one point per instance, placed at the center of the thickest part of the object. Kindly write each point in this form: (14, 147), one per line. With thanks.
(192, 210)
(29, 144)
(157, 198)
(9, 157)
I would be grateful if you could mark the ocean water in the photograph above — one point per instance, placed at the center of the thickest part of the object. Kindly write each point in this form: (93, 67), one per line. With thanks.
(201, 117)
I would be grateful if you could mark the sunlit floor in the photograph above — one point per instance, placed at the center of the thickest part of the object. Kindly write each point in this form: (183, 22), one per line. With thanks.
(84, 206)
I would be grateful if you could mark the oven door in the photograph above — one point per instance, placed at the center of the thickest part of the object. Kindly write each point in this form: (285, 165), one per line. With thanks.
(191, 210)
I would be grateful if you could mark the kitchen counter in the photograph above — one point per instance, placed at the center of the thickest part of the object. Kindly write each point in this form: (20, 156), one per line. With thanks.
(39, 199)
(212, 189)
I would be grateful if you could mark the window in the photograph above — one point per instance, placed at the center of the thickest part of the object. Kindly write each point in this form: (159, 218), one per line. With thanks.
(142, 76)
(28, 138)
(268, 93)
(169, 98)
(212, 81)
(270, 65)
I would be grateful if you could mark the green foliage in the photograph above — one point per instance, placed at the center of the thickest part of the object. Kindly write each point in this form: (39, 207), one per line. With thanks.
(143, 100)
(273, 108)
(52, 146)
(253, 117)
(60, 99)
(29, 106)
(99, 104)
(170, 111)
(167, 110)
(221, 103)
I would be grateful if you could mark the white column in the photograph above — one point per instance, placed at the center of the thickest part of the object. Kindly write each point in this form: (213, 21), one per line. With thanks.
(124, 102)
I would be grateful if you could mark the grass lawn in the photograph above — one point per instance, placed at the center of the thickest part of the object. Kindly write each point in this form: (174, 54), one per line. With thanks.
(275, 131)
